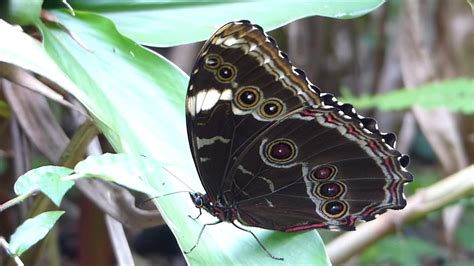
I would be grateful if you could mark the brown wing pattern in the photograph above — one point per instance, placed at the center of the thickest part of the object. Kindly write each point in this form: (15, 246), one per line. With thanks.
(266, 142)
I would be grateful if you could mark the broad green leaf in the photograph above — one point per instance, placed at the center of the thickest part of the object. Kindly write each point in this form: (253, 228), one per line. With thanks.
(168, 23)
(48, 180)
(20, 49)
(32, 231)
(122, 83)
(456, 95)
(21, 12)
(139, 98)
(131, 171)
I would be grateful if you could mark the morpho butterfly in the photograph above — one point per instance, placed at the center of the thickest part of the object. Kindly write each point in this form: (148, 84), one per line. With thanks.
(274, 152)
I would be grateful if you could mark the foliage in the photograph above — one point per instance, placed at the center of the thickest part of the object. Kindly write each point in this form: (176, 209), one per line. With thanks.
(32, 231)
(197, 20)
(401, 251)
(85, 52)
(46, 179)
(4, 110)
(15, 11)
(465, 234)
(456, 95)
(136, 97)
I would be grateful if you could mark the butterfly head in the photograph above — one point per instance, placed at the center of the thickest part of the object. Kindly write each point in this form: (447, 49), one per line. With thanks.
(222, 211)
(201, 201)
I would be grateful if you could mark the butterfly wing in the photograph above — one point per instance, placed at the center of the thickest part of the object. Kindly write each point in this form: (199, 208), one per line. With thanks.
(318, 167)
(266, 142)
(240, 85)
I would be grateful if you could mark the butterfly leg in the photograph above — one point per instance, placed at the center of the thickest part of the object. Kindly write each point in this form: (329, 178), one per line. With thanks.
(200, 234)
(195, 218)
(258, 240)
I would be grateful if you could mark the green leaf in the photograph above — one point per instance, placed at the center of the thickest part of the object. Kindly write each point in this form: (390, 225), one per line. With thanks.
(32, 231)
(21, 12)
(168, 23)
(20, 49)
(403, 251)
(5, 111)
(48, 180)
(456, 95)
(464, 233)
(138, 97)
(131, 171)
(116, 75)
(3, 165)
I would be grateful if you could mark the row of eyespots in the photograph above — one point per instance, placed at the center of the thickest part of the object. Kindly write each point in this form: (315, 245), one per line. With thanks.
(283, 151)
(224, 72)
(248, 97)
(330, 190)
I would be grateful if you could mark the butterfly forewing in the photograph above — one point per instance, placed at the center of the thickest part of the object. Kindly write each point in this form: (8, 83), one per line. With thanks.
(239, 87)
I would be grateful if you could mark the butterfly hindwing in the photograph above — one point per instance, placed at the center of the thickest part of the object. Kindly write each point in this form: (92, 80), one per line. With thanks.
(316, 167)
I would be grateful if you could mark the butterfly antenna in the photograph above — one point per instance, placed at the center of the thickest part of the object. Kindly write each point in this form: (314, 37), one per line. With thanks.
(156, 197)
(179, 179)
(258, 240)
(167, 194)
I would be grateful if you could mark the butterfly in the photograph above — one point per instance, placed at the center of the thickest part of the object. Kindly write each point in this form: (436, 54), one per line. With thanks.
(273, 151)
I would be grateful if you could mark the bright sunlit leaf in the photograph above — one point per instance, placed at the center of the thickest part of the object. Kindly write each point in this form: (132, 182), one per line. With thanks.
(168, 23)
(47, 179)
(131, 171)
(32, 231)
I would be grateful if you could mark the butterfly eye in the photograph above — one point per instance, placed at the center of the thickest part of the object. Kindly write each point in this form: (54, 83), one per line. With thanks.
(334, 209)
(281, 151)
(198, 202)
(226, 73)
(324, 172)
(248, 97)
(212, 61)
(271, 108)
(330, 190)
